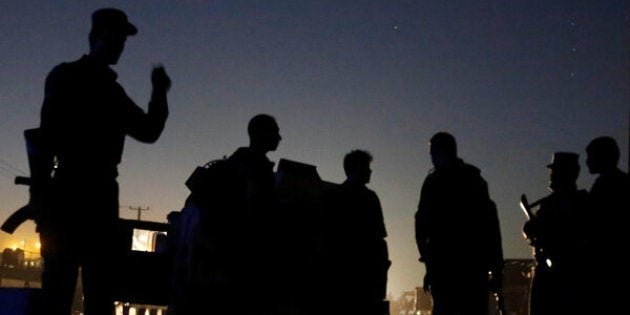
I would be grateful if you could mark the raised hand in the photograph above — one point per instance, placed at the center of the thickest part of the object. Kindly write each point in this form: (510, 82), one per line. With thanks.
(160, 80)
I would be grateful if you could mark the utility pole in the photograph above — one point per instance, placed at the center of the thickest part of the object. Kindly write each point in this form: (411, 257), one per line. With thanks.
(139, 209)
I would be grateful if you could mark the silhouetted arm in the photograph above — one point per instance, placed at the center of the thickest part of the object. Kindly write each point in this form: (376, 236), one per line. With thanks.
(422, 221)
(148, 127)
(422, 229)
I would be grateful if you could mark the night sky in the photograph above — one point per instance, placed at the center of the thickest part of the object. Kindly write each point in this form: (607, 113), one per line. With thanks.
(513, 81)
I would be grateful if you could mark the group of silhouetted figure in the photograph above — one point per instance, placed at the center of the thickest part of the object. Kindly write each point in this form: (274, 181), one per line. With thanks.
(578, 236)
(240, 247)
(242, 243)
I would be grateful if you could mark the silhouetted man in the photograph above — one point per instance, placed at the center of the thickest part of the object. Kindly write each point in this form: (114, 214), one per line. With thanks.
(226, 245)
(358, 258)
(255, 263)
(457, 233)
(610, 195)
(557, 233)
(85, 118)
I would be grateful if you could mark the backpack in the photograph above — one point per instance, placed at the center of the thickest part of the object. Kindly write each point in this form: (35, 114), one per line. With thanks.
(211, 185)
(203, 240)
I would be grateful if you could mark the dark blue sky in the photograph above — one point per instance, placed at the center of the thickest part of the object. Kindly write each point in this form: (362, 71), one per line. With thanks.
(514, 81)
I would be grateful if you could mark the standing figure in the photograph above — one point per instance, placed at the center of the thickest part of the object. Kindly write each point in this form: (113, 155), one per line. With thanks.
(556, 232)
(225, 251)
(255, 264)
(253, 261)
(358, 260)
(457, 233)
(85, 117)
(610, 195)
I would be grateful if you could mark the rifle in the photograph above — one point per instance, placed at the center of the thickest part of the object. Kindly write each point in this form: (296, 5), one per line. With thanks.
(527, 208)
(40, 160)
(538, 250)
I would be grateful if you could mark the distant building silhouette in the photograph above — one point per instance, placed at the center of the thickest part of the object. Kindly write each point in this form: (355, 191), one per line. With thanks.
(13, 258)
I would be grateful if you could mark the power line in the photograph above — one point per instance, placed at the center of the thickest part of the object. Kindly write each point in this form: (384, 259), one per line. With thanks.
(6, 173)
(15, 169)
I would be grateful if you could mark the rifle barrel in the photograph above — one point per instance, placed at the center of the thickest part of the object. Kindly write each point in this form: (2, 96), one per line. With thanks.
(22, 180)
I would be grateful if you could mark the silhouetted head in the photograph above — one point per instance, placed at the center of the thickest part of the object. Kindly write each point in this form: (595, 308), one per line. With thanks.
(264, 134)
(602, 155)
(564, 171)
(110, 28)
(443, 149)
(356, 165)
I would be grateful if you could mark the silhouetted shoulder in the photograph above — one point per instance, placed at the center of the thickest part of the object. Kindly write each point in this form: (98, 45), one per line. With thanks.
(65, 73)
(68, 66)
(470, 169)
(611, 183)
(459, 169)
(57, 73)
